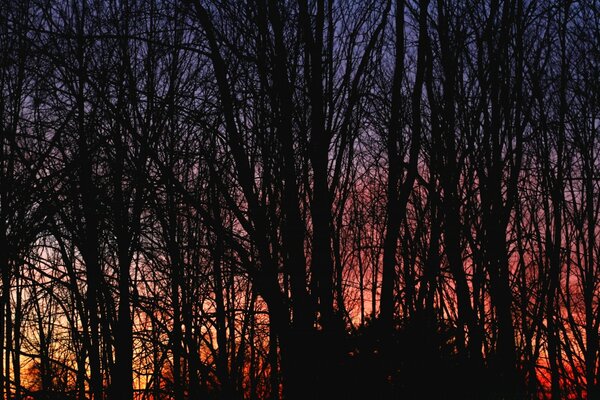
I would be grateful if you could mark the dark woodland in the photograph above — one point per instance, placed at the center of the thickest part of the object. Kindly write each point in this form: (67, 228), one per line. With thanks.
(299, 199)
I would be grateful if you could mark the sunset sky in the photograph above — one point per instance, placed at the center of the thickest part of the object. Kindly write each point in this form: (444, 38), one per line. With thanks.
(299, 199)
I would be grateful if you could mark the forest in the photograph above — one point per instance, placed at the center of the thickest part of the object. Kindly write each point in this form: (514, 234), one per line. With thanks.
(299, 199)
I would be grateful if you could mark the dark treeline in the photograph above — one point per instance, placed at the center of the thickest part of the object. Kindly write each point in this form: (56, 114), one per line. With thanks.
(299, 199)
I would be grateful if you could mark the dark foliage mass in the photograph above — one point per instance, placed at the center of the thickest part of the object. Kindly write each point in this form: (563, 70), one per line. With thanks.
(299, 199)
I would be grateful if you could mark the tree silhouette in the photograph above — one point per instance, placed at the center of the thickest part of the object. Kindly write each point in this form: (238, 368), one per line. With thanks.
(304, 199)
